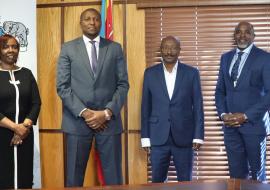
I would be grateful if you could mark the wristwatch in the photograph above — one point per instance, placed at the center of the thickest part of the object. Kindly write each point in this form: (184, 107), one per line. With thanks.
(107, 115)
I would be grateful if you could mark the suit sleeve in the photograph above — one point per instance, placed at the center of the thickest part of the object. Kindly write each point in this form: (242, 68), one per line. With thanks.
(145, 107)
(257, 111)
(35, 101)
(122, 86)
(198, 107)
(220, 93)
(63, 84)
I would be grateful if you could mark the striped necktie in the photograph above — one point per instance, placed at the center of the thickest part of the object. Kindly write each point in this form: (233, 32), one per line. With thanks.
(234, 72)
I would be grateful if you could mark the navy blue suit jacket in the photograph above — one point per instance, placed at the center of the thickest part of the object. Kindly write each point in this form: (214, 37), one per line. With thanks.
(251, 94)
(183, 114)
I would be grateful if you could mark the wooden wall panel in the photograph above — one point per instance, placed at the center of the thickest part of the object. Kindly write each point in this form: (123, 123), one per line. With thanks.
(118, 14)
(136, 64)
(48, 1)
(72, 1)
(52, 159)
(137, 160)
(48, 48)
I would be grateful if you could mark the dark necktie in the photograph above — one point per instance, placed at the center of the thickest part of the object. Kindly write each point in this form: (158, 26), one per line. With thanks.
(94, 57)
(234, 72)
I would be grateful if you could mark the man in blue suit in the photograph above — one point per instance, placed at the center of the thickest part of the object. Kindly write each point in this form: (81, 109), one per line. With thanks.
(172, 121)
(242, 100)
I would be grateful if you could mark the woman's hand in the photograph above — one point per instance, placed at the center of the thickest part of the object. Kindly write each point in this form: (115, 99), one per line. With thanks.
(21, 130)
(16, 140)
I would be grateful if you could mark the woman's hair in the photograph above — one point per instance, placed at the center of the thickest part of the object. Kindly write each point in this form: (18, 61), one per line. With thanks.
(4, 40)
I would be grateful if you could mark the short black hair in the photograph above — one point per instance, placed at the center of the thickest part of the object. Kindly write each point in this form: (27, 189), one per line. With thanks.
(90, 10)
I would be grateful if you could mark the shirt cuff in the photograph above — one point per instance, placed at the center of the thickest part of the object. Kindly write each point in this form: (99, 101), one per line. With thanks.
(199, 141)
(145, 142)
(245, 116)
(80, 114)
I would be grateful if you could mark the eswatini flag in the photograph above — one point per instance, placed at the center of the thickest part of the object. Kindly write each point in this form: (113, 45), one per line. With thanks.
(105, 32)
(107, 19)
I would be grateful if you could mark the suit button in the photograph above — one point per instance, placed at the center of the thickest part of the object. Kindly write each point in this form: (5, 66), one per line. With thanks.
(169, 120)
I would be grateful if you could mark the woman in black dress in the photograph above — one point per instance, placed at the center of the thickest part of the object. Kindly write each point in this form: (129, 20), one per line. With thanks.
(19, 109)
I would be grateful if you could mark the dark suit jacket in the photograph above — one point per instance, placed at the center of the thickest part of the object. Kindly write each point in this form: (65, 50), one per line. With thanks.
(79, 89)
(183, 114)
(252, 92)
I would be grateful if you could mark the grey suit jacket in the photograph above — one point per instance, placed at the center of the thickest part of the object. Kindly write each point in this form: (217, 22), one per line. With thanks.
(79, 89)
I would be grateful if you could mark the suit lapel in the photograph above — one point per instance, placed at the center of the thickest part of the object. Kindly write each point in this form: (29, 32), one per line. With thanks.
(251, 57)
(103, 47)
(161, 77)
(179, 78)
(230, 58)
(82, 53)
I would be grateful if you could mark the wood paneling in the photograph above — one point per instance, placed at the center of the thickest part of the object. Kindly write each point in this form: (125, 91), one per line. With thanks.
(48, 1)
(136, 64)
(52, 159)
(48, 48)
(118, 15)
(95, 1)
(137, 160)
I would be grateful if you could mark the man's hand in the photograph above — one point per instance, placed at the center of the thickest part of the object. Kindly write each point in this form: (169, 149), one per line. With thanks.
(239, 118)
(196, 146)
(234, 120)
(228, 119)
(147, 149)
(95, 119)
(87, 114)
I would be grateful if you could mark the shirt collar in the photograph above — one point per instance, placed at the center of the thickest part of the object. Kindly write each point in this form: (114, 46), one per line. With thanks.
(246, 51)
(86, 39)
(174, 67)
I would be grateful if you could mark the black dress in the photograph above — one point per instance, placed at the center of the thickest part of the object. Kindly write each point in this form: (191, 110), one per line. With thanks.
(19, 99)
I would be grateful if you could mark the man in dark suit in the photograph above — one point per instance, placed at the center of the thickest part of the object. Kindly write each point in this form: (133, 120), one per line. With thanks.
(172, 121)
(92, 82)
(242, 100)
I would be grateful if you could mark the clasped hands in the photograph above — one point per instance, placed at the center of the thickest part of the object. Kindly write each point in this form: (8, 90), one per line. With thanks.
(21, 131)
(234, 119)
(96, 120)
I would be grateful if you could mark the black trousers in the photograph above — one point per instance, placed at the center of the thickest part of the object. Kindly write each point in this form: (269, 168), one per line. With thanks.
(25, 160)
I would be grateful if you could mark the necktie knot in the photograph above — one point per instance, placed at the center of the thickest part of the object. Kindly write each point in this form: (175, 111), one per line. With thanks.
(240, 53)
(93, 42)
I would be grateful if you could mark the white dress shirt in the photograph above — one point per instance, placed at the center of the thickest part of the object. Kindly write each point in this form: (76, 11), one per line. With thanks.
(242, 62)
(170, 78)
(88, 46)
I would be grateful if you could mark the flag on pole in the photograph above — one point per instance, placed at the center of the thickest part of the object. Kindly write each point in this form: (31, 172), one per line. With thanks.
(105, 32)
(106, 19)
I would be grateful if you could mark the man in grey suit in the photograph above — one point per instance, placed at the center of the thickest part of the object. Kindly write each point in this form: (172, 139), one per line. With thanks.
(92, 82)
